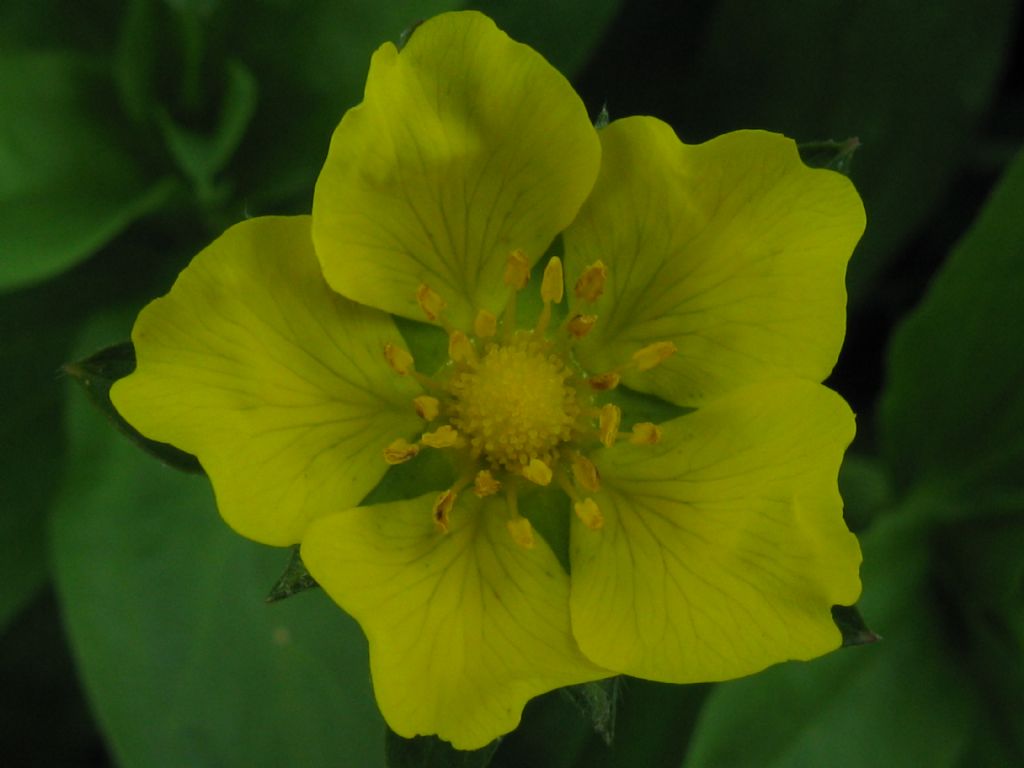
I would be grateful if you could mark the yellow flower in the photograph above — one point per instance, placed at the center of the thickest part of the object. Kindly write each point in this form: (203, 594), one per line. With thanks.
(568, 537)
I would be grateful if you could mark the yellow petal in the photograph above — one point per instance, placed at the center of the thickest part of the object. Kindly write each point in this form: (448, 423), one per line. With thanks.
(464, 626)
(723, 547)
(732, 249)
(466, 147)
(275, 382)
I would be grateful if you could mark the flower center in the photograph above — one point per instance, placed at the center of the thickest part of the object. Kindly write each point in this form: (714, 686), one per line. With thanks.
(510, 407)
(515, 404)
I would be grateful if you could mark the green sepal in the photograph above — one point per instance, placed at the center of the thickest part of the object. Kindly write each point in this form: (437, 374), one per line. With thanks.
(598, 702)
(602, 119)
(293, 580)
(97, 374)
(830, 154)
(432, 752)
(852, 625)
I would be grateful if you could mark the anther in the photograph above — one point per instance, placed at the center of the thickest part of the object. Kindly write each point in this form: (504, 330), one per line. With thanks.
(604, 381)
(645, 433)
(517, 270)
(585, 473)
(653, 354)
(427, 407)
(580, 325)
(521, 531)
(485, 325)
(401, 361)
(537, 472)
(442, 509)
(590, 286)
(484, 484)
(608, 424)
(552, 286)
(400, 451)
(460, 349)
(589, 514)
(430, 302)
(442, 437)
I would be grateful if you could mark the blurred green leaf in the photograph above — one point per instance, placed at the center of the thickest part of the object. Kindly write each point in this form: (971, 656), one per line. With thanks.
(96, 374)
(431, 752)
(866, 489)
(202, 157)
(906, 701)
(31, 440)
(66, 185)
(910, 78)
(981, 574)
(952, 416)
(184, 662)
(83, 26)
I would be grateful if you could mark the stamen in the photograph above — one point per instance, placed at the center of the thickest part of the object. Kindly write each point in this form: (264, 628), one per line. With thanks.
(460, 349)
(485, 325)
(580, 325)
(645, 433)
(517, 270)
(442, 509)
(608, 424)
(552, 287)
(518, 526)
(537, 472)
(484, 484)
(430, 302)
(400, 360)
(653, 355)
(442, 437)
(400, 451)
(521, 531)
(589, 514)
(604, 381)
(427, 407)
(585, 473)
(590, 286)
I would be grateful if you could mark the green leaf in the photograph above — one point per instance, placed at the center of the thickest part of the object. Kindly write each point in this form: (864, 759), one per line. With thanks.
(903, 702)
(66, 186)
(865, 486)
(96, 374)
(913, 89)
(202, 156)
(31, 440)
(431, 752)
(952, 415)
(295, 579)
(980, 573)
(183, 661)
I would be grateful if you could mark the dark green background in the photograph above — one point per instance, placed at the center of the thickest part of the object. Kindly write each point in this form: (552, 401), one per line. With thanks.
(132, 627)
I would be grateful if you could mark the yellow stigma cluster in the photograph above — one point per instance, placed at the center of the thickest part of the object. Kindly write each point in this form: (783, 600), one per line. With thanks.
(511, 407)
(514, 404)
